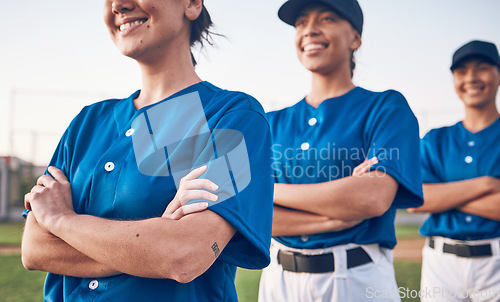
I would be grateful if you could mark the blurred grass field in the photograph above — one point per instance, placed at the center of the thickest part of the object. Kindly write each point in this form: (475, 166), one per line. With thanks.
(20, 285)
(407, 231)
(10, 233)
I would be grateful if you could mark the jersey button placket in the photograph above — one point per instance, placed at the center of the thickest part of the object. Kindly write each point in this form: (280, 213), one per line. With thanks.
(470, 156)
(94, 284)
(129, 132)
(109, 166)
(305, 145)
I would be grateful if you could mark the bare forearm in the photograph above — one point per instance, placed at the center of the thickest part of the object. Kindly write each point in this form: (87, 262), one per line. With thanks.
(153, 248)
(173, 246)
(288, 222)
(349, 198)
(487, 206)
(441, 197)
(119, 244)
(45, 252)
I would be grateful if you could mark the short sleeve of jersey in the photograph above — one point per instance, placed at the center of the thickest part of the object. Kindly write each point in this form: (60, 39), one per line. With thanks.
(65, 150)
(393, 136)
(250, 210)
(429, 174)
(61, 157)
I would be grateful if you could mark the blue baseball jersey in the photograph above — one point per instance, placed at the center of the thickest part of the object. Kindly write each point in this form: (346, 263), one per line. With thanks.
(314, 145)
(97, 155)
(452, 154)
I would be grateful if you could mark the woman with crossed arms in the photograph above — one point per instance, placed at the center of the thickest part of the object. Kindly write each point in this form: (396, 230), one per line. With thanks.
(345, 159)
(110, 221)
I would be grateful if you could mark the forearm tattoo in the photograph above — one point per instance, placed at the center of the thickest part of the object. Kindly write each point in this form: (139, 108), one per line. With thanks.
(216, 250)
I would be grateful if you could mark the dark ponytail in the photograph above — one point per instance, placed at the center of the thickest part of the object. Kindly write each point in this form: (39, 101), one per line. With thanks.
(353, 63)
(200, 30)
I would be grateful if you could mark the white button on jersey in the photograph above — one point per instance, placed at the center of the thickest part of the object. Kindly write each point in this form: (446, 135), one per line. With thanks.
(93, 284)
(468, 219)
(129, 132)
(471, 144)
(109, 166)
(304, 146)
(469, 159)
(312, 121)
(304, 238)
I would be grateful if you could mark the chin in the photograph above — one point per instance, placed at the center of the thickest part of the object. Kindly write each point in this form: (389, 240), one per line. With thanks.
(315, 67)
(127, 49)
(321, 70)
(321, 66)
(478, 104)
(132, 53)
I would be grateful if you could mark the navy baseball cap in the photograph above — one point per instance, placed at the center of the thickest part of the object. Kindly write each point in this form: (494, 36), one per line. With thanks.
(484, 50)
(347, 9)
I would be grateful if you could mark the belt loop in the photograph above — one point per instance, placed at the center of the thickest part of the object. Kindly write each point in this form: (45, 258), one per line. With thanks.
(495, 247)
(438, 244)
(340, 261)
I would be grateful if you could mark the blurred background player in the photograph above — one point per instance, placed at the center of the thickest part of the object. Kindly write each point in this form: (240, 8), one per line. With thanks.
(461, 170)
(345, 159)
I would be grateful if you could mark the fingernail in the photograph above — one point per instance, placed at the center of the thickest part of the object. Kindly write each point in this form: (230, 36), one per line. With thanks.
(214, 197)
(214, 187)
(201, 168)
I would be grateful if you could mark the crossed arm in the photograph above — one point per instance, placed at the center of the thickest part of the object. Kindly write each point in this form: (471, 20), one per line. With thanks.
(180, 245)
(479, 196)
(334, 205)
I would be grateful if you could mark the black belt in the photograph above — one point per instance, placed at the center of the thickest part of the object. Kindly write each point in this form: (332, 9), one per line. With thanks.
(464, 250)
(324, 263)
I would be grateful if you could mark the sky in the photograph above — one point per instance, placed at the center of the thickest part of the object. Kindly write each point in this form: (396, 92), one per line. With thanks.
(56, 58)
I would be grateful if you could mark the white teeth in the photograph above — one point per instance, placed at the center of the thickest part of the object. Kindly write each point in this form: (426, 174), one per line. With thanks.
(310, 47)
(474, 90)
(124, 26)
(130, 24)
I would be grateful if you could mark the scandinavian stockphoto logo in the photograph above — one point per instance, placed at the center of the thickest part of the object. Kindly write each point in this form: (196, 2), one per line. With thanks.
(172, 138)
(328, 162)
(432, 293)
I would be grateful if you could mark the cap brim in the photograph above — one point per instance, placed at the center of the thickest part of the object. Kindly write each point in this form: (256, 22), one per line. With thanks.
(471, 57)
(289, 11)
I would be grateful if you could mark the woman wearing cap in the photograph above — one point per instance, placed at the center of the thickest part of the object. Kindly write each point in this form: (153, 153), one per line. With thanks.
(111, 221)
(461, 174)
(344, 161)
